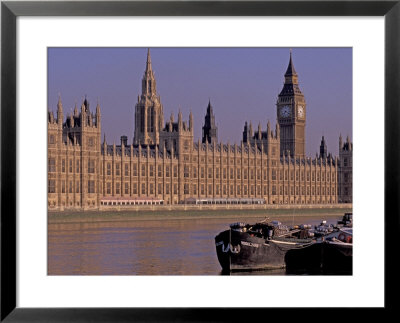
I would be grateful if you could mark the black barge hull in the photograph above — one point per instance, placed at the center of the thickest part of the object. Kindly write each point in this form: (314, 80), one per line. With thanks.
(321, 258)
(242, 251)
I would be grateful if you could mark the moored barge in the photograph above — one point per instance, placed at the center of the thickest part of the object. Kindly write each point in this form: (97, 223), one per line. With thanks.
(259, 246)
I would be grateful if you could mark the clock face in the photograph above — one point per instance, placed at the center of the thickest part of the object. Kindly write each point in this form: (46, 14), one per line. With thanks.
(300, 111)
(285, 111)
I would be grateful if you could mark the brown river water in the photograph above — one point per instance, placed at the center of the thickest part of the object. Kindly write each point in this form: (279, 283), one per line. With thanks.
(177, 246)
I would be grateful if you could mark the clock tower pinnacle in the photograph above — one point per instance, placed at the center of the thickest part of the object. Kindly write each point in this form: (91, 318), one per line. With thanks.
(291, 114)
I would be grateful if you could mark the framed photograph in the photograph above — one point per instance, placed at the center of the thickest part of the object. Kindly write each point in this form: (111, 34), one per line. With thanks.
(111, 73)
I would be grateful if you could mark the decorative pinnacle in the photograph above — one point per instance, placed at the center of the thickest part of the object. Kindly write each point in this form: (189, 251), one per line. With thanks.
(148, 63)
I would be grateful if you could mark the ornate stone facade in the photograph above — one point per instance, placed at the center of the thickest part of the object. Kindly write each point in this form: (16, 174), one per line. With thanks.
(164, 163)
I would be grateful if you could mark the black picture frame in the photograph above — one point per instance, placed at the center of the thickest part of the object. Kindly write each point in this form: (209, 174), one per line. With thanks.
(10, 10)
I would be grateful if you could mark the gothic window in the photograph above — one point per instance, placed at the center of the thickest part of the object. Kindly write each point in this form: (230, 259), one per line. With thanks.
(51, 140)
(143, 188)
(117, 172)
(274, 175)
(52, 186)
(217, 172)
(149, 86)
(252, 174)
(273, 189)
(159, 188)
(63, 187)
(186, 189)
(90, 186)
(126, 188)
(77, 166)
(91, 166)
(313, 176)
(175, 188)
(252, 189)
(63, 165)
(70, 165)
(167, 189)
(202, 189)
(224, 173)
(194, 172)
(245, 190)
(238, 173)
(108, 188)
(245, 174)
(108, 169)
(281, 190)
(77, 187)
(90, 141)
(117, 188)
(126, 169)
(224, 189)
(202, 172)
(291, 175)
(186, 171)
(258, 190)
(302, 176)
(52, 165)
(134, 170)
(175, 171)
(134, 188)
(151, 188)
(151, 170)
(167, 171)
(265, 190)
(70, 186)
(238, 190)
(209, 172)
(159, 171)
(143, 170)
(297, 175)
(217, 189)
(194, 189)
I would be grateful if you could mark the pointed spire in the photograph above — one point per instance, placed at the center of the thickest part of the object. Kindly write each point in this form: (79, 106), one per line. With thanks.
(148, 63)
(59, 103)
(290, 70)
(191, 120)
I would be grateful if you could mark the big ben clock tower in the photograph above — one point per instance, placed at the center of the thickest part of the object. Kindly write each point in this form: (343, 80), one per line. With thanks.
(291, 113)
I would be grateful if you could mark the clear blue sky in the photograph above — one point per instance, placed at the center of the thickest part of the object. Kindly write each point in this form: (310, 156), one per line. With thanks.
(242, 84)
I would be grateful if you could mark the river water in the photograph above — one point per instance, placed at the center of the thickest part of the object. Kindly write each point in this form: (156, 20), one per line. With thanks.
(146, 247)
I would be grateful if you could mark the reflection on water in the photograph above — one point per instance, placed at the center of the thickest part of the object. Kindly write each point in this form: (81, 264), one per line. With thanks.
(143, 247)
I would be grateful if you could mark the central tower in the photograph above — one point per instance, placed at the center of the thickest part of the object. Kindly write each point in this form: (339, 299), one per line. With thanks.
(291, 114)
(149, 115)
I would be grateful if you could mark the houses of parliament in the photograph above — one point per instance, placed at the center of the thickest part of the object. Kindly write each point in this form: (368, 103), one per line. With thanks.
(164, 165)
